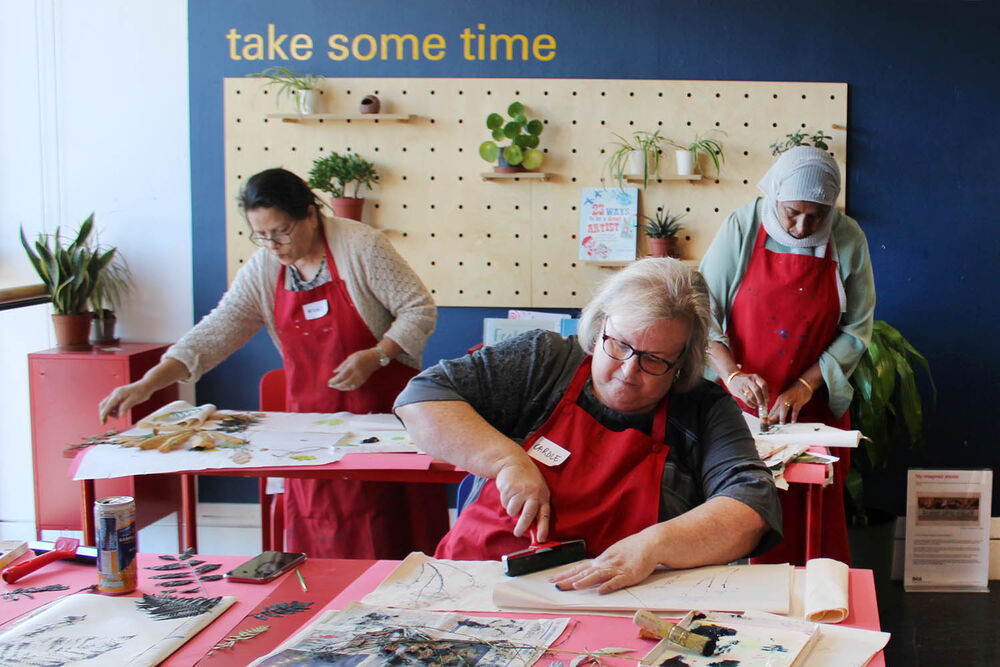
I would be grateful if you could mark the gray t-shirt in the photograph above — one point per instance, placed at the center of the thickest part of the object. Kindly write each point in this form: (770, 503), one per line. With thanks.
(515, 385)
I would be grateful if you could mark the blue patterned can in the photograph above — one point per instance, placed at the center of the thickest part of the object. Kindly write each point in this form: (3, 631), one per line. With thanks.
(117, 544)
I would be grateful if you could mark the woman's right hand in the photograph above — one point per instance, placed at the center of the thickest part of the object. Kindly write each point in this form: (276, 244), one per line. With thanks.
(749, 388)
(123, 399)
(524, 494)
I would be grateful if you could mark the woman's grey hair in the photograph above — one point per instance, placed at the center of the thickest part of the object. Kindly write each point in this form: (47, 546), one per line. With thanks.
(646, 292)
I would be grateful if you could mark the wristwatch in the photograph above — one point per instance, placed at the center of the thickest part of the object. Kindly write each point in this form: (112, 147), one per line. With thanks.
(383, 358)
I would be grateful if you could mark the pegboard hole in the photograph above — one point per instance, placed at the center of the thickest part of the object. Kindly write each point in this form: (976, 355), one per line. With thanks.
(433, 263)
(572, 265)
(631, 93)
(689, 94)
(432, 178)
(432, 91)
(266, 149)
(517, 207)
(489, 235)
(489, 263)
(775, 96)
(404, 205)
(574, 93)
(460, 207)
(545, 264)
(545, 207)
(545, 236)
(573, 293)
(573, 236)
(517, 264)
(746, 152)
(717, 123)
(603, 93)
(745, 124)
(432, 206)
(459, 149)
(461, 92)
(545, 292)
(746, 182)
(404, 149)
(774, 125)
(239, 148)
(376, 206)
(460, 121)
(461, 235)
(573, 122)
(572, 150)
(488, 207)
(461, 263)
(517, 236)
(433, 235)
(404, 178)
(573, 180)
(489, 291)
(517, 93)
(746, 96)
(602, 122)
(461, 291)
(718, 94)
(545, 92)
(660, 94)
(689, 123)
(803, 96)
(432, 149)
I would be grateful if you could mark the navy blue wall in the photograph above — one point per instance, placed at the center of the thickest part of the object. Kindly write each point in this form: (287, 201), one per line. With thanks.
(922, 177)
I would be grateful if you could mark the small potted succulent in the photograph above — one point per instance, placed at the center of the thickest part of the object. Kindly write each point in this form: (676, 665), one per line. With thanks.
(687, 155)
(817, 139)
(335, 173)
(522, 153)
(635, 156)
(305, 88)
(661, 233)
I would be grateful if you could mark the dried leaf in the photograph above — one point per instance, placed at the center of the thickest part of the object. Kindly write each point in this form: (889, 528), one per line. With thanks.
(210, 577)
(170, 575)
(162, 607)
(243, 635)
(175, 584)
(208, 567)
(167, 566)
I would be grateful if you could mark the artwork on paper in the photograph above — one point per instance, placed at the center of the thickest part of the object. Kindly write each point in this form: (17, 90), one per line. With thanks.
(608, 224)
(360, 635)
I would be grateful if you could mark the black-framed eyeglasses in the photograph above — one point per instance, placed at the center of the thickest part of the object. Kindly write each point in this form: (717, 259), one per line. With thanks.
(281, 238)
(622, 351)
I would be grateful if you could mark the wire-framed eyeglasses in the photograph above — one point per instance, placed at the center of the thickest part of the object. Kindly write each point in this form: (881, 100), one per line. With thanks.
(280, 238)
(621, 351)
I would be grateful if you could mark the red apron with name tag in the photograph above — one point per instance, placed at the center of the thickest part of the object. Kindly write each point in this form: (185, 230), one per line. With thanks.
(606, 489)
(784, 316)
(346, 518)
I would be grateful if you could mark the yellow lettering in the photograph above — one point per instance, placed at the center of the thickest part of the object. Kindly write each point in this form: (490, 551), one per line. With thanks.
(356, 47)
(253, 47)
(301, 47)
(338, 47)
(466, 47)
(233, 37)
(435, 42)
(509, 41)
(399, 39)
(546, 42)
(274, 45)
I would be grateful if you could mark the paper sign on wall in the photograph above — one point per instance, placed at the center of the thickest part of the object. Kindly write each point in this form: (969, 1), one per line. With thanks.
(608, 223)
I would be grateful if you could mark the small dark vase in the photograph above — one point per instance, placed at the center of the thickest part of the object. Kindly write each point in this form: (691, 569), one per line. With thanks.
(370, 104)
(102, 329)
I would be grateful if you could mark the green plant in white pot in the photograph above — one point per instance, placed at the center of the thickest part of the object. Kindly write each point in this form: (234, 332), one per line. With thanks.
(304, 88)
(522, 152)
(339, 174)
(638, 155)
(687, 155)
(70, 274)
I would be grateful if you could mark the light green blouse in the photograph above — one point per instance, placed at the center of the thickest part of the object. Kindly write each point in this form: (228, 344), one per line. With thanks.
(726, 262)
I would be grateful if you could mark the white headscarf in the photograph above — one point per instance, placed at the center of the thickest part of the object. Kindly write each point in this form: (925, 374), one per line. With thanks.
(803, 173)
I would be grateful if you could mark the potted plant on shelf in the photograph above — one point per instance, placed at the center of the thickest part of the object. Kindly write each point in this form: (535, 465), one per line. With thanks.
(887, 407)
(522, 153)
(801, 138)
(69, 274)
(305, 88)
(687, 154)
(334, 173)
(661, 233)
(637, 156)
(113, 283)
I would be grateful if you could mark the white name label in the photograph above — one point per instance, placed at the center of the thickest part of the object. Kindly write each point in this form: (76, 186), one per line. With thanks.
(547, 452)
(316, 309)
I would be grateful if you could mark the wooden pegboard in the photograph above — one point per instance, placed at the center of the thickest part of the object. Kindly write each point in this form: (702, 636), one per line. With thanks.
(514, 243)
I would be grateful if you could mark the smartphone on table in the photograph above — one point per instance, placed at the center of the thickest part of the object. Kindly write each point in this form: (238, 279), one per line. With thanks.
(265, 567)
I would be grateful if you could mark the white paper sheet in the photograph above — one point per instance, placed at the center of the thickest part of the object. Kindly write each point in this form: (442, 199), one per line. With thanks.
(801, 433)
(422, 582)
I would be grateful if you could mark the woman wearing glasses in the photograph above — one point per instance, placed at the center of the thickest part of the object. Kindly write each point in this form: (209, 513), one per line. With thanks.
(612, 436)
(350, 318)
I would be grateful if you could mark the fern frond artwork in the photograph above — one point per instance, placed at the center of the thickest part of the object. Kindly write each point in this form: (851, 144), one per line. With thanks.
(166, 607)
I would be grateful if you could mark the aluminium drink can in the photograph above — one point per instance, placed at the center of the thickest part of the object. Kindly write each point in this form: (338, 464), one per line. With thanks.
(117, 544)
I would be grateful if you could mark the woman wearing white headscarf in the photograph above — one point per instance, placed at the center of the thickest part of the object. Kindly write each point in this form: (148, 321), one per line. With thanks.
(793, 299)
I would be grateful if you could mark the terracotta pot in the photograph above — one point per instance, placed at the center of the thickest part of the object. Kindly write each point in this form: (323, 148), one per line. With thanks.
(347, 207)
(658, 247)
(673, 247)
(370, 104)
(102, 330)
(72, 331)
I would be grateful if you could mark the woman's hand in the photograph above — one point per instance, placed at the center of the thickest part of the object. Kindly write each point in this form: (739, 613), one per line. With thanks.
(625, 563)
(524, 494)
(355, 370)
(749, 388)
(788, 404)
(124, 398)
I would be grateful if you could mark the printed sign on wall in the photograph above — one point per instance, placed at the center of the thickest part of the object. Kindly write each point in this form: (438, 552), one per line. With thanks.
(608, 223)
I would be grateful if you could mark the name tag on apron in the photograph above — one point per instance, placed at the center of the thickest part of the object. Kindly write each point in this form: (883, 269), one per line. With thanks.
(316, 309)
(547, 452)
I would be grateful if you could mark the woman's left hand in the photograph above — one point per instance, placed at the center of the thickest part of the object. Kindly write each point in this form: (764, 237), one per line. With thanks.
(625, 563)
(788, 404)
(355, 370)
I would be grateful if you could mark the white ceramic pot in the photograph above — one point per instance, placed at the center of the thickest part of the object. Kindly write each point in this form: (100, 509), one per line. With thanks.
(308, 101)
(685, 162)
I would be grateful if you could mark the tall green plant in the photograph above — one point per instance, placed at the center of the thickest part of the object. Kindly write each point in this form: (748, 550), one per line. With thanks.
(646, 144)
(333, 173)
(71, 272)
(113, 283)
(887, 406)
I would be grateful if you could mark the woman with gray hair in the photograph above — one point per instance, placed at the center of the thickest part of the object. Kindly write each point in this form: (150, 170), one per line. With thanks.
(792, 305)
(613, 437)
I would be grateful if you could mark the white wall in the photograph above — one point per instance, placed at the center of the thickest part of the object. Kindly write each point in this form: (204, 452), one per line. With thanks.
(93, 117)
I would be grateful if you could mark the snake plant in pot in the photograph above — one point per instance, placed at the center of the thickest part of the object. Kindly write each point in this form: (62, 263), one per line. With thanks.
(887, 406)
(70, 274)
(661, 233)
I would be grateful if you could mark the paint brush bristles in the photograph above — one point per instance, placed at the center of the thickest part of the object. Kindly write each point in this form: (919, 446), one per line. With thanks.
(302, 581)
(674, 633)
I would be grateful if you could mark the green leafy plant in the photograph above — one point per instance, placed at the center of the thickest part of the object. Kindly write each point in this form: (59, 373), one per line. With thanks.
(522, 133)
(802, 138)
(709, 146)
(642, 142)
(288, 81)
(333, 173)
(113, 284)
(887, 406)
(69, 273)
(663, 226)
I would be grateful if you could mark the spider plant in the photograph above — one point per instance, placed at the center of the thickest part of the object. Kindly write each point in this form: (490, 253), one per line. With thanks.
(801, 138)
(646, 144)
(288, 81)
(709, 146)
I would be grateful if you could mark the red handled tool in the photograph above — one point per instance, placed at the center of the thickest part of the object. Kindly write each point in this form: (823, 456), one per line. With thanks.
(65, 548)
(542, 556)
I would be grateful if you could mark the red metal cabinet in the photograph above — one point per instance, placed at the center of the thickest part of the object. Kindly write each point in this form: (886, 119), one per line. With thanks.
(66, 388)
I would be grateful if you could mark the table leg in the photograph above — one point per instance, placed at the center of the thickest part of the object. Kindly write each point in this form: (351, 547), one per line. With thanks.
(189, 511)
(87, 511)
(265, 516)
(814, 520)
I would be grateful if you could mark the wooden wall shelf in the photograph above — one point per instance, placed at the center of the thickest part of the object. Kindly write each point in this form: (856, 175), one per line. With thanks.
(347, 117)
(637, 178)
(515, 176)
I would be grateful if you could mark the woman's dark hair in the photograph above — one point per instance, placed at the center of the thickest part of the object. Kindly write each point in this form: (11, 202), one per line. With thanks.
(281, 189)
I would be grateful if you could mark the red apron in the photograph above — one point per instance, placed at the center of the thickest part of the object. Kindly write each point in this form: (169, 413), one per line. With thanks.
(606, 489)
(784, 316)
(346, 518)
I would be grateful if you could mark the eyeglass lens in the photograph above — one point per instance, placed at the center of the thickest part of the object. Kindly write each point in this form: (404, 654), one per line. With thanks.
(622, 351)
